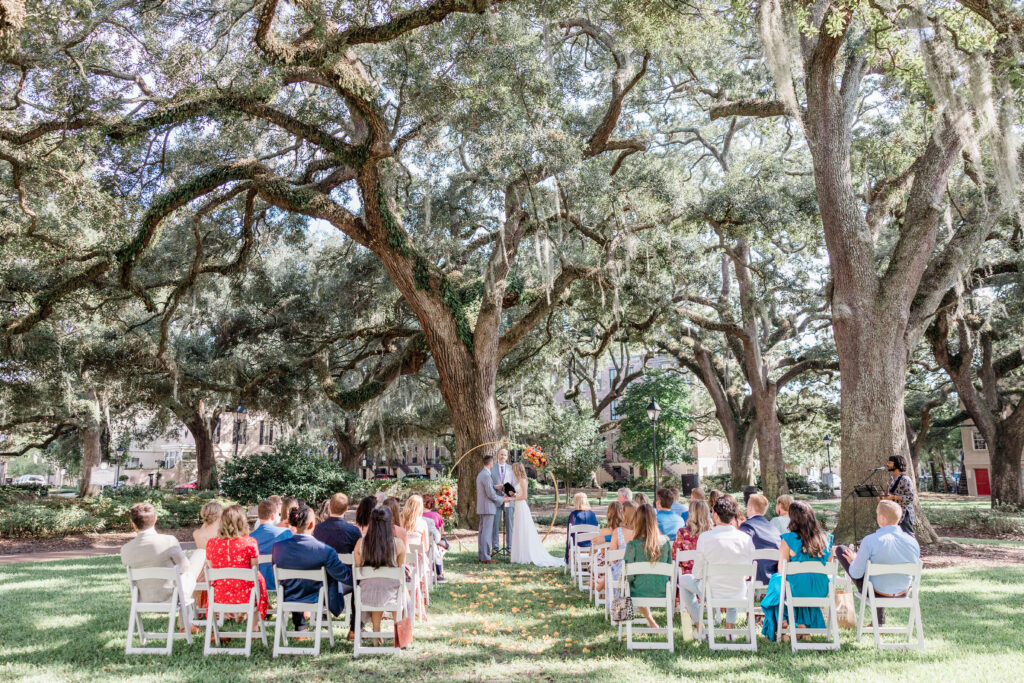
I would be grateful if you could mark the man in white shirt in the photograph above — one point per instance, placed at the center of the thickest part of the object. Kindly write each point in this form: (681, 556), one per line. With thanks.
(150, 549)
(724, 544)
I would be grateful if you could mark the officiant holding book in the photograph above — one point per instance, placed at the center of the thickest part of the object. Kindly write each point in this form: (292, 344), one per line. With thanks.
(501, 475)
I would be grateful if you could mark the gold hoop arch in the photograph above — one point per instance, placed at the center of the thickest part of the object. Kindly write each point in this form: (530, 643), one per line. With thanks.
(506, 442)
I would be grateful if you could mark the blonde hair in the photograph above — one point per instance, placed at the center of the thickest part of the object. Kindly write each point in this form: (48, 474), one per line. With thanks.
(699, 520)
(784, 501)
(233, 523)
(890, 511)
(628, 514)
(614, 515)
(757, 504)
(580, 501)
(519, 471)
(412, 512)
(211, 512)
(646, 530)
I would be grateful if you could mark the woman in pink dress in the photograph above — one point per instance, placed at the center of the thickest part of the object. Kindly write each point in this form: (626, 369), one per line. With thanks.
(234, 547)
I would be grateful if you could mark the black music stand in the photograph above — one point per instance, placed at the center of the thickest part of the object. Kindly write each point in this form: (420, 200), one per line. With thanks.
(863, 490)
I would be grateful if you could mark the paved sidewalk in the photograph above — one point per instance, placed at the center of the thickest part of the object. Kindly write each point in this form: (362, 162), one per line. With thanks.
(49, 556)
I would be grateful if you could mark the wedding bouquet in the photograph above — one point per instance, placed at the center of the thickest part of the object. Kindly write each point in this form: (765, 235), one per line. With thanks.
(535, 456)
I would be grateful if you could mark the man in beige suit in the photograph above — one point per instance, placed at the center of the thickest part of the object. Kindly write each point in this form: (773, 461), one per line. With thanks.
(150, 549)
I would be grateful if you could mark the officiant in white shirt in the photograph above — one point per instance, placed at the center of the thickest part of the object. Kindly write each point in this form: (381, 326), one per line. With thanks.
(501, 474)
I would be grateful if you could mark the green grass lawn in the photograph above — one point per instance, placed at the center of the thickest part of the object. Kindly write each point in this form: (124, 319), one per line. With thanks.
(66, 620)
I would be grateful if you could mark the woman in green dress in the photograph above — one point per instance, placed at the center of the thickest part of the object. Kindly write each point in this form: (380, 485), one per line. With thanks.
(648, 545)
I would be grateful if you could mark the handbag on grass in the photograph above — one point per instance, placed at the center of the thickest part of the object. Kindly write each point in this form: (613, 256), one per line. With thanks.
(622, 609)
(846, 614)
(403, 632)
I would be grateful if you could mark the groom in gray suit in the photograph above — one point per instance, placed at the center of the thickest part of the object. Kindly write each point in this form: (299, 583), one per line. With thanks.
(501, 474)
(487, 502)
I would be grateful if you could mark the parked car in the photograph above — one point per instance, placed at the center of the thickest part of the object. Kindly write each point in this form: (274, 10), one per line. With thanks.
(186, 488)
(417, 476)
(31, 479)
(384, 476)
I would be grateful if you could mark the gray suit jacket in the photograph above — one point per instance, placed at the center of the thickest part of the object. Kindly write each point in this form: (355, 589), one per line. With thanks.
(487, 499)
(150, 549)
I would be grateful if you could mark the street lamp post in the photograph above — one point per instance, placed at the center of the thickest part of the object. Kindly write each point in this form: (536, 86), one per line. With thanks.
(240, 410)
(653, 412)
(828, 456)
(117, 469)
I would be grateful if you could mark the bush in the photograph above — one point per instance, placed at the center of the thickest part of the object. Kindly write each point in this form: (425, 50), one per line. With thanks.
(21, 521)
(10, 493)
(252, 478)
(985, 522)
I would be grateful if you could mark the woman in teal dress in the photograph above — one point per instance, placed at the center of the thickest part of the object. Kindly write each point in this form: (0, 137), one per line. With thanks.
(806, 541)
(648, 545)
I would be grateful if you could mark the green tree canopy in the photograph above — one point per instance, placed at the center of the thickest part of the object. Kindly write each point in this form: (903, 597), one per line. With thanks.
(673, 430)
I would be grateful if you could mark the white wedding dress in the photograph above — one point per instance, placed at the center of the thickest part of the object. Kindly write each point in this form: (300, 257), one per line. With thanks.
(527, 548)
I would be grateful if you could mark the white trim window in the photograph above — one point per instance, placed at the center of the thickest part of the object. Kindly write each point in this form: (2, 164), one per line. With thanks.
(978, 441)
(170, 459)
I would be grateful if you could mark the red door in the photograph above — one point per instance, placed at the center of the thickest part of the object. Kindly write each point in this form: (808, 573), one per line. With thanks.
(981, 478)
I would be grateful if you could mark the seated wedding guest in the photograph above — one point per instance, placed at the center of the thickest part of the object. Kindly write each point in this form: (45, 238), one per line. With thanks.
(640, 499)
(210, 515)
(380, 548)
(723, 544)
(698, 494)
(713, 497)
(234, 547)
(669, 523)
(416, 528)
(288, 504)
(805, 542)
(278, 501)
(624, 495)
(740, 517)
(698, 522)
(582, 514)
(762, 533)
(341, 536)
(612, 520)
(150, 549)
(363, 512)
(323, 512)
(648, 545)
(677, 507)
(781, 519)
(302, 550)
(620, 532)
(888, 545)
(391, 503)
(266, 534)
(438, 544)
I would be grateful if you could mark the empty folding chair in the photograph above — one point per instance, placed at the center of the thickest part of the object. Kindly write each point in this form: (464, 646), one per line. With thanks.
(761, 588)
(320, 614)
(911, 599)
(827, 604)
(682, 557)
(267, 559)
(666, 602)
(348, 598)
(360, 574)
(177, 607)
(215, 612)
(740, 573)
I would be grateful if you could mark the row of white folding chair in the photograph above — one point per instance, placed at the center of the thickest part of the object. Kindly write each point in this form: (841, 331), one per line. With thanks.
(397, 607)
(584, 556)
(416, 560)
(574, 540)
(910, 600)
(178, 607)
(267, 558)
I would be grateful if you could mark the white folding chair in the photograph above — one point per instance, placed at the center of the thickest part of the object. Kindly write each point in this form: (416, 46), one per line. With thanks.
(215, 612)
(584, 556)
(177, 607)
(666, 602)
(360, 574)
(573, 531)
(827, 604)
(415, 559)
(761, 588)
(611, 558)
(740, 574)
(271, 620)
(345, 617)
(910, 600)
(683, 556)
(320, 613)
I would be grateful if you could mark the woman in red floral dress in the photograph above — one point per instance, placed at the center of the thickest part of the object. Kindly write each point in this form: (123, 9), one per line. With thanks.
(234, 547)
(698, 522)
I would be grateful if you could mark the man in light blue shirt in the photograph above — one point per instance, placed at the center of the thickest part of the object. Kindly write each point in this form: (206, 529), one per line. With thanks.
(668, 522)
(266, 535)
(889, 545)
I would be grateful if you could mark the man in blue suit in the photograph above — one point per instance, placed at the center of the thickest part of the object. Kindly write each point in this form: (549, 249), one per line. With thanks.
(763, 533)
(267, 533)
(302, 551)
(342, 536)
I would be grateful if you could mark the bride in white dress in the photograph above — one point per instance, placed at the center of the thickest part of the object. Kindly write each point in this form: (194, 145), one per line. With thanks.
(527, 548)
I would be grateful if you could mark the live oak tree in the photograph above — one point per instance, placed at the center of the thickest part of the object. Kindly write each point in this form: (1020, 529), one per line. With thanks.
(881, 209)
(673, 426)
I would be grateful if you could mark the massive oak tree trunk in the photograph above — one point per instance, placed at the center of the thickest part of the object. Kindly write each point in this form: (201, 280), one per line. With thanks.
(1005, 450)
(200, 430)
(351, 449)
(92, 453)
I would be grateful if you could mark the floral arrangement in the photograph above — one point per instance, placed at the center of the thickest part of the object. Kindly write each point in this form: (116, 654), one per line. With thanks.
(446, 502)
(535, 456)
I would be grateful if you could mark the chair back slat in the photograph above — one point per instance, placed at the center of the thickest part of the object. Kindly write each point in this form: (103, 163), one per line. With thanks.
(909, 569)
(237, 573)
(766, 554)
(153, 573)
(346, 558)
(265, 558)
(650, 568)
(614, 555)
(732, 570)
(361, 573)
(809, 567)
(305, 574)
